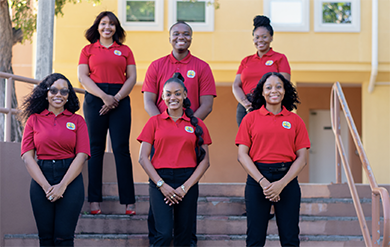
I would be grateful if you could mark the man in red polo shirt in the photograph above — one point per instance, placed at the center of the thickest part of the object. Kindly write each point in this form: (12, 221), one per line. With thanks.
(199, 81)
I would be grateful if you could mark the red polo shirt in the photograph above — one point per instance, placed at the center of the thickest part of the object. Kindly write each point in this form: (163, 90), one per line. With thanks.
(252, 68)
(56, 137)
(107, 65)
(272, 138)
(197, 74)
(174, 142)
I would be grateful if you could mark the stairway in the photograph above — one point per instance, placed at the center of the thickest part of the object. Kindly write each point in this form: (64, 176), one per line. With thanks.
(328, 218)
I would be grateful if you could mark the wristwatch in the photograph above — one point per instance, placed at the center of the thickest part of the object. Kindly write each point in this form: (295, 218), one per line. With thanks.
(160, 183)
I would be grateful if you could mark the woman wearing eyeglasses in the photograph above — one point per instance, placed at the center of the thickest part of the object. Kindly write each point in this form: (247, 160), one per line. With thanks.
(107, 71)
(59, 139)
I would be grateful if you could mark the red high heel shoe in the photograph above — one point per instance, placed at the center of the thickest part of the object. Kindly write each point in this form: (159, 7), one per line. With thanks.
(97, 211)
(130, 211)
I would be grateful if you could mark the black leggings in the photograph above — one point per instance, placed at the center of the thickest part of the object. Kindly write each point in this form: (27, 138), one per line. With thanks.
(118, 122)
(179, 217)
(56, 221)
(286, 210)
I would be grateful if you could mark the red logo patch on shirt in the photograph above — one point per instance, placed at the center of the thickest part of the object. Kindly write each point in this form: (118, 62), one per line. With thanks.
(269, 62)
(116, 52)
(286, 125)
(190, 74)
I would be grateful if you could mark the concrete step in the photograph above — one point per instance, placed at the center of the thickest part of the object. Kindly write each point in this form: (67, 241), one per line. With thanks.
(103, 240)
(236, 206)
(217, 225)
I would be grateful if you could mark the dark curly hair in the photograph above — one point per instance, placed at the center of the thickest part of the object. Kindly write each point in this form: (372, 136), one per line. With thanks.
(200, 152)
(290, 96)
(92, 34)
(36, 101)
(262, 21)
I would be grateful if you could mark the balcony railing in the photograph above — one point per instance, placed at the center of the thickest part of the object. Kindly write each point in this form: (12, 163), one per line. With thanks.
(378, 193)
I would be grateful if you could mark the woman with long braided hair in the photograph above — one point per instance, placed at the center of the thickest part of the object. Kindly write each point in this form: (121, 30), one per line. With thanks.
(180, 160)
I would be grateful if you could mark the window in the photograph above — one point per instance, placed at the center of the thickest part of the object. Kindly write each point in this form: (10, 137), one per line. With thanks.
(141, 15)
(198, 14)
(337, 16)
(288, 15)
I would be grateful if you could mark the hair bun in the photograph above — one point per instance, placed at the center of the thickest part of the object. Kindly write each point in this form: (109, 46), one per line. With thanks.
(261, 21)
(177, 75)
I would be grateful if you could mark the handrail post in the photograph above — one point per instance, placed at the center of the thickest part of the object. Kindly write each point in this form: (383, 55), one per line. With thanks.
(375, 221)
(8, 105)
(336, 118)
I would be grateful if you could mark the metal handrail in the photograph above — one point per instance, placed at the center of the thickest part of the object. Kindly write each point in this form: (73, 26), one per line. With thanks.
(7, 110)
(337, 99)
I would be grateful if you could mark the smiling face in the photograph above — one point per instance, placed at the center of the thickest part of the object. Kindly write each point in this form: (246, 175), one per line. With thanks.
(273, 91)
(262, 40)
(174, 95)
(180, 37)
(106, 28)
(57, 100)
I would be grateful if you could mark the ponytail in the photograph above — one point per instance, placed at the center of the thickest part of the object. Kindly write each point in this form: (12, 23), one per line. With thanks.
(200, 152)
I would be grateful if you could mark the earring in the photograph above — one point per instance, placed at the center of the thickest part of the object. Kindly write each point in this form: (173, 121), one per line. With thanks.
(66, 100)
(46, 98)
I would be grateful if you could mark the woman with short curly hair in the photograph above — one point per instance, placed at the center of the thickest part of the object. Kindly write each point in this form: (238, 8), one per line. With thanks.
(59, 139)
(272, 148)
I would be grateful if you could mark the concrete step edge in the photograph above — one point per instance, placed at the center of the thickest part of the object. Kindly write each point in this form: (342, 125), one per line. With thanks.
(340, 238)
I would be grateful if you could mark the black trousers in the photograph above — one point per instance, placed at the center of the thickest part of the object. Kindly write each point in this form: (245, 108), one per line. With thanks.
(240, 113)
(178, 217)
(286, 210)
(56, 221)
(118, 122)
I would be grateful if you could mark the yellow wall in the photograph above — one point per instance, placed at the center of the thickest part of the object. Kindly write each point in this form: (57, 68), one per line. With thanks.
(315, 58)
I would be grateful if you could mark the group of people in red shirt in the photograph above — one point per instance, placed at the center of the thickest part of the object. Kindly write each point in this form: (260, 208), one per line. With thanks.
(179, 90)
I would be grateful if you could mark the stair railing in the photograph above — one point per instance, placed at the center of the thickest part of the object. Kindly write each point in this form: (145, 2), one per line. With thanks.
(377, 193)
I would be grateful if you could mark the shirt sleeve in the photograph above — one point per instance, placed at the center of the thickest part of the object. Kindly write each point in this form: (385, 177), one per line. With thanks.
(206, 135)
(207, 82)
(130, 57)
(148, 132)
(301, 136)
(283, 65)
(28, 136)
(244, 134)
(242, 66)
(150, 82)
(82, 138)
(84, 56)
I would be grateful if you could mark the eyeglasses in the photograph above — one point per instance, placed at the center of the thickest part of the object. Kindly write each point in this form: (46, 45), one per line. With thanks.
(54, 91)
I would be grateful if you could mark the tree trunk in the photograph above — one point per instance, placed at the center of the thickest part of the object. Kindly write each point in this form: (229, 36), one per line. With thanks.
(6, 43)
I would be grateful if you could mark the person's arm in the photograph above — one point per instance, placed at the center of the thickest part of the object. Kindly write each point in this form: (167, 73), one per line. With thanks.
(196, 175)
(56, 191)
(286, 75)
(239, 93)
(92, 88)
(144, 161)
(275, 188)
(150, 101)
(250, 168)
(205, 106)
(34, 170)
(128, 85)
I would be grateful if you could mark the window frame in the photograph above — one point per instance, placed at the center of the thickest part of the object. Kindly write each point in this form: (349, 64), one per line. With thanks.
(207, 26)
(156, 25)
(353, 27)
(304, 26)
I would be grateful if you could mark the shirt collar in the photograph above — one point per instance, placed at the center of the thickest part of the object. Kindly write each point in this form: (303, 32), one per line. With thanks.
(269, 53)
(184, 60)
(46, 112)
(114, 45)
(264, 111)
(165, 116)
